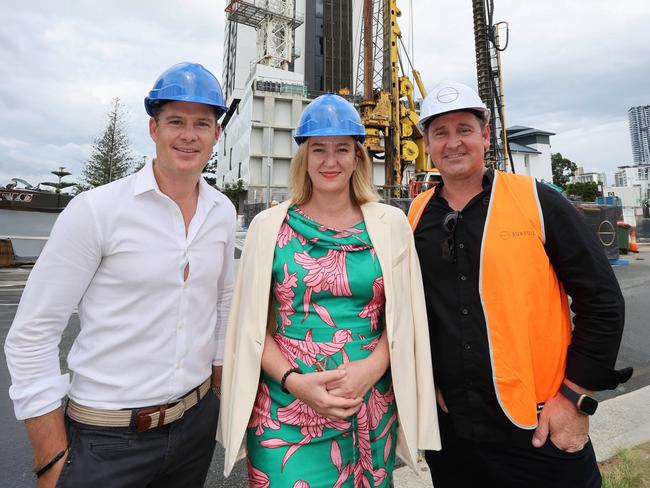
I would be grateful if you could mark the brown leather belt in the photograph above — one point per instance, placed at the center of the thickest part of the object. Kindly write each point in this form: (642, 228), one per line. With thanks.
(145, 418)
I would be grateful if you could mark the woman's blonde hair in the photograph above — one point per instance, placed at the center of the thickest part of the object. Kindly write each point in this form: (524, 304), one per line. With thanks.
(361, 187)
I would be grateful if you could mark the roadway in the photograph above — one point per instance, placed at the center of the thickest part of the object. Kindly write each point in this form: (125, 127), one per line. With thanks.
(15, 454)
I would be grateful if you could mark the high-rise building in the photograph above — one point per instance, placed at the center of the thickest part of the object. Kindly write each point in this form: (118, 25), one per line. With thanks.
(278, 55)
(328, 45)
(639, 119)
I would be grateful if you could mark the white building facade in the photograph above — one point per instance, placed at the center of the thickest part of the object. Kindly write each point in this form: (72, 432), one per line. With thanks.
(631, 185)
(266, 102)
(531, 152)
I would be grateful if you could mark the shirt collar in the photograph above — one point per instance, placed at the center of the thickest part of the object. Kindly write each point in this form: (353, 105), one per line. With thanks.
(146, 181)
(486, 182)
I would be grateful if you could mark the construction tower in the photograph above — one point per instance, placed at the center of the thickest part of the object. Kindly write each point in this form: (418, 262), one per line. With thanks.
(275, 22)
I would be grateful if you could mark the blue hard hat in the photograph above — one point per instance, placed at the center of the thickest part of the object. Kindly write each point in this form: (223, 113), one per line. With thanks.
(187, 82)
(330, 115)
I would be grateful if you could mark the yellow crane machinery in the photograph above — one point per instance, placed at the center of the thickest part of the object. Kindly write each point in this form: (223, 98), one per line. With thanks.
(388, 108)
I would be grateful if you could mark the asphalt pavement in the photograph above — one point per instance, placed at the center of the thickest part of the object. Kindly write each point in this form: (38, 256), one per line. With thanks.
(623, 418)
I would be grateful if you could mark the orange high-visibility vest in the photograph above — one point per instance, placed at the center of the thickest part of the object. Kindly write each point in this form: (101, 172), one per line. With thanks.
(526, 310)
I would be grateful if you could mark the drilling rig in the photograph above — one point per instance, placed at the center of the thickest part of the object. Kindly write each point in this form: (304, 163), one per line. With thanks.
(487, 43)
(388, 108)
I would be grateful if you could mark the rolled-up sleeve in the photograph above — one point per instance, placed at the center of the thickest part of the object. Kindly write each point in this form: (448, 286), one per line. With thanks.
(55, 287)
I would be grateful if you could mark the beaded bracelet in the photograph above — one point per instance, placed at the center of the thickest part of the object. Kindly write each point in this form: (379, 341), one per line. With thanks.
(286, 375)
(41, 471)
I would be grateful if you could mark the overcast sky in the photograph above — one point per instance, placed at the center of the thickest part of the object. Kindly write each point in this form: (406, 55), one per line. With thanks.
(573, 68)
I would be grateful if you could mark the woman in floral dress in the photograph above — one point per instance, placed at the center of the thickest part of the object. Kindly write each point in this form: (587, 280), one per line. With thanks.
(325, 413)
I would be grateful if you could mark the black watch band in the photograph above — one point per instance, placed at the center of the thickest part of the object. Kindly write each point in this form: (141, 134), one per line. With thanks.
(584, 403)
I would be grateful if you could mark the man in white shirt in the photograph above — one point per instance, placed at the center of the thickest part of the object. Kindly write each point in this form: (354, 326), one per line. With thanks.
(148, 260)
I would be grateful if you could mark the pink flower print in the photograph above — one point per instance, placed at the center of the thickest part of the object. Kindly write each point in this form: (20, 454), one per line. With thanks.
(364, 462)
(335, 454)
(311, 423)
(347, 233)
(323, 314)
(284, 295)
(378, 404)
(311, 427)
(363, 438)
(387, 447)
(257, 478)
(327, 273)
(287, 233)
(375, 306)
(379, 476)
(307, 350)
(261, 414)
(343, 476)
(389, 424)
(301, 484)
(371, 345)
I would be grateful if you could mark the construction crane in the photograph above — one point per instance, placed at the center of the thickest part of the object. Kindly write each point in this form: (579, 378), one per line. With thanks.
(275, 22)
(388, 108)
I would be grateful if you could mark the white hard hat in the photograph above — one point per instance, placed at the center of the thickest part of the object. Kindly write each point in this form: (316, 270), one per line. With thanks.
(449, 96)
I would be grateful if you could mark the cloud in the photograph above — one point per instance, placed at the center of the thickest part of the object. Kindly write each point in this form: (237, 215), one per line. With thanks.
(573, 68)
(63, 62)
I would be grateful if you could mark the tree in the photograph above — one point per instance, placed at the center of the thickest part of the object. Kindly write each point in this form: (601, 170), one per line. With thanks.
(210, 170)
(233, 191)
(59, 185)
(111, 156)
(587, 191)
(563, 169)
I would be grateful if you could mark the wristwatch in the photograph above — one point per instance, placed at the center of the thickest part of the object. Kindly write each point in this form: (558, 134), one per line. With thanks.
(584, 403)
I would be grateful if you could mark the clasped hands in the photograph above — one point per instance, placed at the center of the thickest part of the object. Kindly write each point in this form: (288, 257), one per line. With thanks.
(338, 393)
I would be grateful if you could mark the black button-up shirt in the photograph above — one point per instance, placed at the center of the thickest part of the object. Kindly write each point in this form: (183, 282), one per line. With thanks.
(458, 333)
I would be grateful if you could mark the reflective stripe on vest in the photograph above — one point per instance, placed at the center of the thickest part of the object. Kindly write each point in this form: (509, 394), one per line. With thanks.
(525, 307)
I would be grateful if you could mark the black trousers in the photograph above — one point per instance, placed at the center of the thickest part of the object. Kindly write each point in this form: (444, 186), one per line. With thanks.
(176, 455)
(462, 463)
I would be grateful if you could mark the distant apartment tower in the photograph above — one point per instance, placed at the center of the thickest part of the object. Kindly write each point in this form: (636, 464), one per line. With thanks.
(639, 119)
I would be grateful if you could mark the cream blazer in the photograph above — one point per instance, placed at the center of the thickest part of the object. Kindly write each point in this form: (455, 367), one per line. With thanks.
(406, 328)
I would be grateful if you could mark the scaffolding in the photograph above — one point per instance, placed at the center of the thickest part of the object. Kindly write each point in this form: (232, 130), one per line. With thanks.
(275, 22)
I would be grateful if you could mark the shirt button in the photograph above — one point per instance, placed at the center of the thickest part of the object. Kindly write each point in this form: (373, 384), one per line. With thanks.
(467, 346)
(461, 245)
(178, 365)
(464, 311)
(463, 278)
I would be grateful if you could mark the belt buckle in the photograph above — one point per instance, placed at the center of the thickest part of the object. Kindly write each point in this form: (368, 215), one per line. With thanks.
(143, 418)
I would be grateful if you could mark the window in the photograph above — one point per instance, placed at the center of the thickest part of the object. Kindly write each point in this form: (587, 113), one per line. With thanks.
(643, 173)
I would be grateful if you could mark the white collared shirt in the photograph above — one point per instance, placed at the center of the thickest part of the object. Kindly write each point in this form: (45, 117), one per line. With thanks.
(147, 337)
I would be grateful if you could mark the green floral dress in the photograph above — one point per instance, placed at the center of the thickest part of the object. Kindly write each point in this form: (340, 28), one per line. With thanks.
(329, 303)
